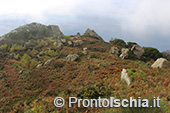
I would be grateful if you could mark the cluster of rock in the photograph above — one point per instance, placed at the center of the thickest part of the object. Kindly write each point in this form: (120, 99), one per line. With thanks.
(72, 57)
(136, 50)
(45, 64)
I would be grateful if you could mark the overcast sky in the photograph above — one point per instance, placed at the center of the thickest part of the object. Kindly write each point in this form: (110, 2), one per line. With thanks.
(146, 22)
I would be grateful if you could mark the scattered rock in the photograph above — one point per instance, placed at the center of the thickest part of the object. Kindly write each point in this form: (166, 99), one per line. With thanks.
(11, 56)
(63, 40)
(40, 54)
(125, 53)
(78, 42)
(47, 62)
(161, 63)
(72, 57)
(21, 72)
(39, 65)
(124, 76)
(138, 51)
(114, 50)
(84, 51)
(59, 43)
(70, 43)
(93, 34)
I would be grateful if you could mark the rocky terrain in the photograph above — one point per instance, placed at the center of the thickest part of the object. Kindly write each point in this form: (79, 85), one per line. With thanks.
(39, 63)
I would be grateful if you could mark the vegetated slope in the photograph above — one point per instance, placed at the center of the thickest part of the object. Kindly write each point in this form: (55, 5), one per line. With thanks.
(28, 88)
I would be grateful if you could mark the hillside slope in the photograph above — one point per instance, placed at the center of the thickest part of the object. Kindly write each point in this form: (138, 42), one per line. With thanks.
(32, 76)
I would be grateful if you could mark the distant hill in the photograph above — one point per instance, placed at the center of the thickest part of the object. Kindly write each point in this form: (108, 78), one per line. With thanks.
(33, 31)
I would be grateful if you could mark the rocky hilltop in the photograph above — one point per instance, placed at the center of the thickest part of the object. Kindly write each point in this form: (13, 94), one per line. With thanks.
(36, 31)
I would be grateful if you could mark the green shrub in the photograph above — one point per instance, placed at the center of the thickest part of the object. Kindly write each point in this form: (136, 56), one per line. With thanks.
(17, 57)
(33, 64)
(16, 47)
(151, 53)
(25, 61)
(94, 91)
(4, 47)
(118, 42)
(166, 54)
(92, 55)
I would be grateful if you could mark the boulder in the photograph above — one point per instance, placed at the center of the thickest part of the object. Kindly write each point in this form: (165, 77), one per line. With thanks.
(39, 65)
(84, 51)
(125, 77)
(72, 57)
(47, 62)
(161, 63)
(21, 72)
(40, 54)
(59, 43)
(78, 42)
(93, 34)
(124, 53)
(63, 40)
(114, 50)
(70, 43)
(137, 51)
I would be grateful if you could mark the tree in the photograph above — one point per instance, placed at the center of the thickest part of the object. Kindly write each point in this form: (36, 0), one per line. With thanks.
(25, 61)
(33, 63)
(118, 42)
(166, 54)
(151, 53)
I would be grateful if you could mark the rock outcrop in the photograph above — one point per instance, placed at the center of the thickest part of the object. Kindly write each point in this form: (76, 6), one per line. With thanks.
(78, 42)
(93, 34)
(32, 31)
(124, 53)
(72, 57)
(114, 50)
(161, 63)
(137, 51)
(125, 77)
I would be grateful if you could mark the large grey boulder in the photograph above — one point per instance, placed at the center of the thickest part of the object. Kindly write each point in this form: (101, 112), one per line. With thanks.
(72, 57)
(93, 34)
(114, 50)
(161, 63)
(78, 42)
(137, 51)
(124, 53)
(125, 77)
